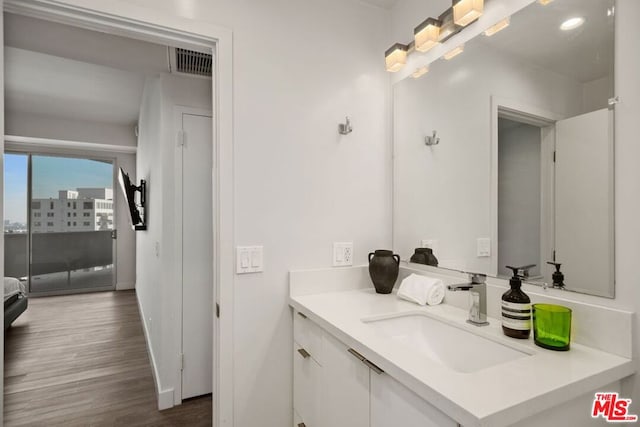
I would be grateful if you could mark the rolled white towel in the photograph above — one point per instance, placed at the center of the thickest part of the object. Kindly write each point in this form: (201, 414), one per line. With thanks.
(422, 290)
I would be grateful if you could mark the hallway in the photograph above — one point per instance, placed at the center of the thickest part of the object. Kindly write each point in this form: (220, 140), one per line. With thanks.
(81, 360)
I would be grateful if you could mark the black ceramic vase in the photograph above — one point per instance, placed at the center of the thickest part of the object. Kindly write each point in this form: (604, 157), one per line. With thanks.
(424, 256)
(384, 266)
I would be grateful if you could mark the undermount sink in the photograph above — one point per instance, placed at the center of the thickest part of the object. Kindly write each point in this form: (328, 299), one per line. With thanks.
(454, 347)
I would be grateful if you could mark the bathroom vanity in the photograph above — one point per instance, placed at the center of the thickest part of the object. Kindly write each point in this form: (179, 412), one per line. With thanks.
(365, 359)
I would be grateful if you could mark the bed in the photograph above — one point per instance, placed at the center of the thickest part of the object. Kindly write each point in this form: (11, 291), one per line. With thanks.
(15, 300)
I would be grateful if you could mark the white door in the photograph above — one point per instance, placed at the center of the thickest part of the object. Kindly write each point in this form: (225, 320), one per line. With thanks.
(584, 183)
(197, 256)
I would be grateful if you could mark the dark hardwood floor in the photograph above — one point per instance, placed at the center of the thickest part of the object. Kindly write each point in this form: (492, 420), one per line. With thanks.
(81, 360)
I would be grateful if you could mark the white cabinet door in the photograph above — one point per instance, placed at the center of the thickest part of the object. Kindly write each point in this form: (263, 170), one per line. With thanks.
(345, 389)
(393, 405)
(306, 387)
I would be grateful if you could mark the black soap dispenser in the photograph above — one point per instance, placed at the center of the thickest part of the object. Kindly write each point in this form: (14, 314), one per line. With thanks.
(558, 277)
(516, 309)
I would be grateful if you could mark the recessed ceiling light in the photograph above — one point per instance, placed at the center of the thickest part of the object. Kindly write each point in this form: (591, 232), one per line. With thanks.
(572, 23)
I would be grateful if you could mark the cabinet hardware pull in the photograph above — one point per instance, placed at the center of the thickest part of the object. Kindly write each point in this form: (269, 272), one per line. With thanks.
(373, 367)
(304, 353)
(356, 355)
(304, 317)
(302, 425)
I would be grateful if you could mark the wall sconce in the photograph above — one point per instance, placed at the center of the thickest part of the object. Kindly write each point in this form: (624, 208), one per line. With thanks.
(467, 11)
(498, 27)
(396, 57)
(454, 52)
(419, 72)
(426, 35)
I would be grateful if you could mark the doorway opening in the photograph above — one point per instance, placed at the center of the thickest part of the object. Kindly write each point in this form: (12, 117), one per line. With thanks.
(180, 34)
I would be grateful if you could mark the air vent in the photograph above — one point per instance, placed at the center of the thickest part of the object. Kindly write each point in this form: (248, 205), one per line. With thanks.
(192, 62)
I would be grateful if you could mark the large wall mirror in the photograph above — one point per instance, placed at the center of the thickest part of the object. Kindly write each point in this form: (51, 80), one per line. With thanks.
(522, 173)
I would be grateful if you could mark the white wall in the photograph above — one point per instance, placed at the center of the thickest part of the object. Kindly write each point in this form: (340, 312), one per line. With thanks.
(519, 197)
(299, 68)
(37, 126)
(627, 175)
(158, 293)
(596, 94)
(149, 285)
(443, 192)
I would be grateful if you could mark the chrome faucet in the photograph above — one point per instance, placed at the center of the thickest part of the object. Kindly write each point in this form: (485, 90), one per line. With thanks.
(478, 290)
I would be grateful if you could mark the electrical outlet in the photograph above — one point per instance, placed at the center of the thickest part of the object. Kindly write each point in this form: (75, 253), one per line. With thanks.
(483, 247)
(342, 254)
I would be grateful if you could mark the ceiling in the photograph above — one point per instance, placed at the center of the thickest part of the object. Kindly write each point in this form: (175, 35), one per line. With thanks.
(66, 72)
(584, 54)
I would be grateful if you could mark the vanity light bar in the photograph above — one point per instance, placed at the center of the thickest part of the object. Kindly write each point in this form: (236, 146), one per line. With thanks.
(467, 11)
(396, 57)
(448, 28)
(454, 52)
(427, 34)
(419, 72)
(498, 27)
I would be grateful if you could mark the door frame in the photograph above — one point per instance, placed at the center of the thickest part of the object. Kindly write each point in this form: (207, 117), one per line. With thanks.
(509, 108)
(125, 19)
(178, 111)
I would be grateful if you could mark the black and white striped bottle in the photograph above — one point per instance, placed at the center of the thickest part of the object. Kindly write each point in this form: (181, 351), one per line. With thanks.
(516, 309)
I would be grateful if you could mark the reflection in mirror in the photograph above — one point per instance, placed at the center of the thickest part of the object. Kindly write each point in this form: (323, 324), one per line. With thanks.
(523, 171)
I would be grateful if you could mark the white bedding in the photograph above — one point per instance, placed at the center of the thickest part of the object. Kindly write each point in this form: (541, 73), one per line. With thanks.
(13, 286)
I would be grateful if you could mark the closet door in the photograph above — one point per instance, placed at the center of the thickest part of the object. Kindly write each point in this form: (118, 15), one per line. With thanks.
(584, 200)
(197, 255)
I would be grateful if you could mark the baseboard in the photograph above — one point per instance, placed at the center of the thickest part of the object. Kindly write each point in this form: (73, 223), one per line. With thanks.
(125, 286)
(165, 396)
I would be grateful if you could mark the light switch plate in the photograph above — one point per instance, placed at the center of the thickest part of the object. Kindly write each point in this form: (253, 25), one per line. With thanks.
(484, 247)
(249, 259)
(342, 254)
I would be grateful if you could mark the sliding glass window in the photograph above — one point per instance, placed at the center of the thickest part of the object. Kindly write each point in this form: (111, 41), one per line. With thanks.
(70, 224)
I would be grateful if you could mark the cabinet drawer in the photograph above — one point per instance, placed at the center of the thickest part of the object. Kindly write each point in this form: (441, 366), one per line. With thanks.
(308, 335)
(306, 389)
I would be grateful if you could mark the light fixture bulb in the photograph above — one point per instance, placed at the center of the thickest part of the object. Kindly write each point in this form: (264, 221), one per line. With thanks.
(426, 34)
(419, 72)
(467, 11)
(498, 27)
(544, 2)
(454, 52)
(572, 23)
(396, 57)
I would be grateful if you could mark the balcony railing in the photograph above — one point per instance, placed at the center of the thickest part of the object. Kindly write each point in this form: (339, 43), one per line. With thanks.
(55, 253)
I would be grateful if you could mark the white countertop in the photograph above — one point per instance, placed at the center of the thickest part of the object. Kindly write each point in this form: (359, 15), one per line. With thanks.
(495, 396)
